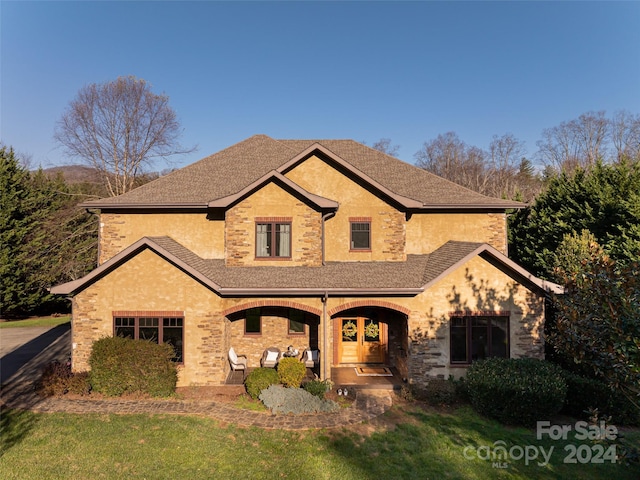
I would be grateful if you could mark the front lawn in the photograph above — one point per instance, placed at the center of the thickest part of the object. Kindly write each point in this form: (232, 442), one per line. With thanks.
(36, 322)
(406, 442)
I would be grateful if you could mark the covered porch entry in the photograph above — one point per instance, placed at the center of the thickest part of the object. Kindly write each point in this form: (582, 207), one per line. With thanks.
(370, 336)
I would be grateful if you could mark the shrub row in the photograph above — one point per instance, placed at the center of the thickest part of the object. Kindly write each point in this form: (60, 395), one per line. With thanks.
(516, 391)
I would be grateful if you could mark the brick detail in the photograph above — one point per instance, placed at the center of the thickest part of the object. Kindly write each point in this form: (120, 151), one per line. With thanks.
(368, 303)
(148, 313)
(359, 219)
(272, 303)
(273, 219)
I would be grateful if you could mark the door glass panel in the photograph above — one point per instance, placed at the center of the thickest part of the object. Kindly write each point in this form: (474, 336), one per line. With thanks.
(371, 330)
(349, 330)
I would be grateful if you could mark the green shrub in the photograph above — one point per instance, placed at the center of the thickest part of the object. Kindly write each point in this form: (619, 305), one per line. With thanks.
(516, 391)
(318, 388)
(586, 394)
(295, 400)
(121, 365)
(260, 379)
(79, 383)
(291, 371)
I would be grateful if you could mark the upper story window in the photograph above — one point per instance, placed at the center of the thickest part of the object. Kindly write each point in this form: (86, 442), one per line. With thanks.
(273, 238)
(477, 337)
(360, 233)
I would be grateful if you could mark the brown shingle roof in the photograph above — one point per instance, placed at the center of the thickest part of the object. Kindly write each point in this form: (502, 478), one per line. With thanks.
(231, 170)
(360, 278)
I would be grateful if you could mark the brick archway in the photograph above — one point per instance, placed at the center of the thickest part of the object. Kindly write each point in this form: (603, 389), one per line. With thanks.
(369, 303)
(272, 303)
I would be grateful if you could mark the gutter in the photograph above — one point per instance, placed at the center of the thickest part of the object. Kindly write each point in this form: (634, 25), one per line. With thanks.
(325, 217)
(324, 355)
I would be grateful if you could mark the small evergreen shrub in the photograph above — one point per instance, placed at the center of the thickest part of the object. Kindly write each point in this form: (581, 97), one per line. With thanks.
(517, 391)
(279, 399)
(121, 366)
(586, 394)
(260, 379)
(291, 371)
(318, 387)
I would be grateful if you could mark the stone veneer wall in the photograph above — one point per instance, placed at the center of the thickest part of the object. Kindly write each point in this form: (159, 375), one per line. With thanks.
(274, 333)
(306, 229)
(497, 228)
(394, 236)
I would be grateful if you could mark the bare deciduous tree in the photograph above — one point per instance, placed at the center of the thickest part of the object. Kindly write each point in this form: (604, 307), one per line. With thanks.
(384, 145)
(576, 143)
(625, 135)
(119, 128)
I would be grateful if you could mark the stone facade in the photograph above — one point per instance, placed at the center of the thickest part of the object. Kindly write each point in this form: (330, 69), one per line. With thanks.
(273, 204)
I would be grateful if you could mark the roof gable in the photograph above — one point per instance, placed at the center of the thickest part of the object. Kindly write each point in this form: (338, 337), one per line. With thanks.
(236, 168)
(276, 177)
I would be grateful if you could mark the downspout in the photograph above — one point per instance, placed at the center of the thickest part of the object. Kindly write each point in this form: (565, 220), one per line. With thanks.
(324, 355)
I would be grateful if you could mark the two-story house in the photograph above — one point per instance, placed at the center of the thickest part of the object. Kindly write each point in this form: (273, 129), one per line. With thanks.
(321, 244)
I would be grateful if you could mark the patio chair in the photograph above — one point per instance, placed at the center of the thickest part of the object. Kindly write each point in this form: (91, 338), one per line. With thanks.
(237, 362)
(270, 357)
(311, 358)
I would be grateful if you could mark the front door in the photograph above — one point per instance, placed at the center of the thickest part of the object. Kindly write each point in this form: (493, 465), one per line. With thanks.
(363, 340)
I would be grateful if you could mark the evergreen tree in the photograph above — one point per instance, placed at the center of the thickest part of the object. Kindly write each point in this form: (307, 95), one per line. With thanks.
(604, 201)
(16, 227)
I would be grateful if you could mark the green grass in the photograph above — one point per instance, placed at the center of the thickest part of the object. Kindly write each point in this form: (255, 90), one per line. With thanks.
(36, 322)
(415, 444)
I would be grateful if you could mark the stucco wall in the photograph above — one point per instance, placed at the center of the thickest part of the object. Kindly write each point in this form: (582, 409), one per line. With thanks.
(477, 286)
(428, 231)
(388, 236)
(149, 283)
(193, 230)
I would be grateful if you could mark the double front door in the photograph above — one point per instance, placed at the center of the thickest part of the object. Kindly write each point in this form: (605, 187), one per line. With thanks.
(362, 340)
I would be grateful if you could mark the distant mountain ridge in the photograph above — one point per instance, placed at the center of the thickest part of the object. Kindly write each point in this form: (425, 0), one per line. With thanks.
(75, 173)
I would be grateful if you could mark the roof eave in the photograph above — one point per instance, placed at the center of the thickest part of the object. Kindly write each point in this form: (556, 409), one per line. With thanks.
(312, 292)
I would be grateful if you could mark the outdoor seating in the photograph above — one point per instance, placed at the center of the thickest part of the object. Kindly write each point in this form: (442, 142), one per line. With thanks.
(270, 357)
(311, 358)
(237, 362)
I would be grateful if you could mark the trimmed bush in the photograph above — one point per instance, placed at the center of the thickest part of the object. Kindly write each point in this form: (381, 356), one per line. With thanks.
(291, 371)
(260, 379)
(295, 400)
(318, 388)
(585, 394)
(517, 391)
(121, 366)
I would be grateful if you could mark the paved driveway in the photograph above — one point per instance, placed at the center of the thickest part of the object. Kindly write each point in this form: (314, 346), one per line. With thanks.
(25, 350)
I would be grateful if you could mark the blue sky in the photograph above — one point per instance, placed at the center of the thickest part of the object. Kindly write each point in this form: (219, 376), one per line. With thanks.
(362, 70)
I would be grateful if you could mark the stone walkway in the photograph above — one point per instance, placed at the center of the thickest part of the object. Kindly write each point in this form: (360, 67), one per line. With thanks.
(368, 404)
